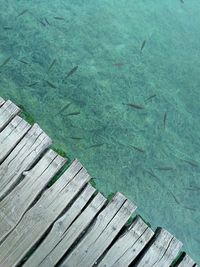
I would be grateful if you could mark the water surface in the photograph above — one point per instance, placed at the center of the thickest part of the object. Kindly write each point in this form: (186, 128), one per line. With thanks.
(151, 154)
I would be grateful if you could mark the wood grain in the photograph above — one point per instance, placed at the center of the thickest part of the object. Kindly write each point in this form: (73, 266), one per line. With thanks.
(107, 225)
(7, 112)
(22, 157)
(186, 262)
(14, 206)
(40, 217)
(11, 135)
(162, 251)
(127, 247)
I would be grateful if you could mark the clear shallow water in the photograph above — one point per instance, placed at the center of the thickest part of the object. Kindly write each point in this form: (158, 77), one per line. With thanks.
(104, 39)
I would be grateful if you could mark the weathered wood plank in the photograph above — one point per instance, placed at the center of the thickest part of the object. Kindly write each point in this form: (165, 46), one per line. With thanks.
(186, 262)
(128, 246)
(23, 156)
(63, 235)
(163, 250)
(78, 228)
(7, 112)
(1, 101)
(40, 217)
(106, 227)
(11, 135)
(13, 207)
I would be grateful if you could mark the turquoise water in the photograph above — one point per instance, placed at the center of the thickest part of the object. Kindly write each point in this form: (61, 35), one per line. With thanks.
(151, 151)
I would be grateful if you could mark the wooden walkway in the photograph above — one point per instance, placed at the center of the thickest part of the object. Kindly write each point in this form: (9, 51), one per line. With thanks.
(69, 223)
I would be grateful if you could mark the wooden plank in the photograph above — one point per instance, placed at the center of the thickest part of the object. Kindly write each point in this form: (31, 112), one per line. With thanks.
(161, 253)
(13, 207)
(78, 228)
(1, 101)
(40, 217)
(106, 227)
(128, 246)
(11, 135)
(7, 112)
(186, 262)
(63, 234)
(23, 156)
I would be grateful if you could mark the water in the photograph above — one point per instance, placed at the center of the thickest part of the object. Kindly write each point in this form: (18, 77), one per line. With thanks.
(104, 39)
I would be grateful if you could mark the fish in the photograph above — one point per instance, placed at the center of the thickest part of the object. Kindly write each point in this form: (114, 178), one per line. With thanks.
(5, 61)
(193, 164)
(42, 22)
(150, 97)
(132, 105)
(95, 145)
(23, 61)
(182, 1)
(52, 64)
(164, 119)
(50, 84)
(143, 45)
(76, 138)
(190, 208)
(73, 113)
(64, 108)
(118, 64)
(59, 18)
(193, 188)
(47, 22)
(7, 28)
(71, 72)
(151, 173)
(157, 179)
(22, 13)
(32, 84)
(165, 168)
(138, 148)
(175, 198)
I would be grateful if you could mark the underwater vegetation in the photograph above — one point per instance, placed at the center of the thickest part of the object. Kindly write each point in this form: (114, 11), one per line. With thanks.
(116, 85)
(26, 115)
